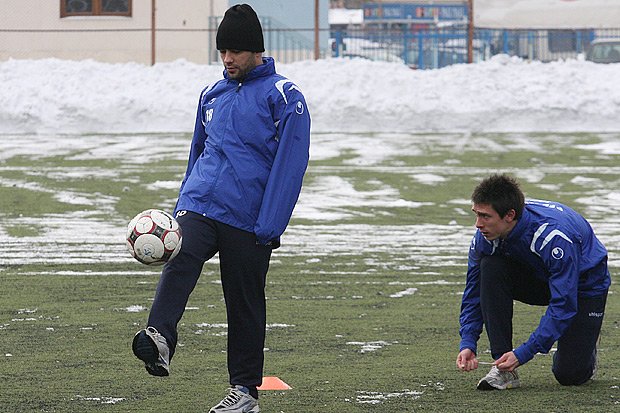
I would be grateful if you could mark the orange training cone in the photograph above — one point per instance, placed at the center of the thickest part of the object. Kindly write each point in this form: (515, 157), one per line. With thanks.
(273, 383)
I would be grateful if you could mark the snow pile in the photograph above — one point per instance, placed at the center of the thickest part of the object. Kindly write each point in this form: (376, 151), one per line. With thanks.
(504, 94)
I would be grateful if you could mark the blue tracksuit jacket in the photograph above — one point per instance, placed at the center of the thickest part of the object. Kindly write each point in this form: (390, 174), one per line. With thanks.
(249, 153)
(560, 246)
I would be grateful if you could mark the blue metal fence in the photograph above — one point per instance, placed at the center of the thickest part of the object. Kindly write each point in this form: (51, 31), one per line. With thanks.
(421, 46)
(435, 48)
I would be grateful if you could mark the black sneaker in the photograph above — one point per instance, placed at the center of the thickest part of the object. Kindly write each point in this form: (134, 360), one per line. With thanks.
(152, 348)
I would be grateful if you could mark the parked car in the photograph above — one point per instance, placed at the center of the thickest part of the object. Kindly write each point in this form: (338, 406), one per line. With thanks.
(604, 51)
(365, 49)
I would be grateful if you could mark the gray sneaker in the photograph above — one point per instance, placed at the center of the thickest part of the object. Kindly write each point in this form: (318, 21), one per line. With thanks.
(237, 401)
(152, 348)
(499, 380)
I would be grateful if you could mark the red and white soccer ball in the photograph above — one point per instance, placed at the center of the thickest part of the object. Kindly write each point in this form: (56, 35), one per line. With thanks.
(153, 237)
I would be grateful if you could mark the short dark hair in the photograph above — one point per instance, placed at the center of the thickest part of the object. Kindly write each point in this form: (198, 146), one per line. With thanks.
(502, 192)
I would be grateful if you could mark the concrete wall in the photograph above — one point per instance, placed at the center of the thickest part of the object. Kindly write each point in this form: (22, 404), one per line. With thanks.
(33, 29)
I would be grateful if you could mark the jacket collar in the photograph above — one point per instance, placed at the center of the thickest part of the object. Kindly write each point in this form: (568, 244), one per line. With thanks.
(266, 69)
(520, 227)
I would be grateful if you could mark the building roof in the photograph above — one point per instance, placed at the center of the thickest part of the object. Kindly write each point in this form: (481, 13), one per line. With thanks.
(547, 14)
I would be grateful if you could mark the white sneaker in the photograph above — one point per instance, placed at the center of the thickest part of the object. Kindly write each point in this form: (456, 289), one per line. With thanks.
(152, 348)
(237, 401)
(499, 380)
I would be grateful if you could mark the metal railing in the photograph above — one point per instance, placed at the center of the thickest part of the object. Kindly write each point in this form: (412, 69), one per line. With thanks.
(422, 48)
(435, 48)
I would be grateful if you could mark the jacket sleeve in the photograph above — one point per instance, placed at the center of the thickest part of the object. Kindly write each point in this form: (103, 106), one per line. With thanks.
(471, 314)
(561, 256)
(286, 176)
(197, 146)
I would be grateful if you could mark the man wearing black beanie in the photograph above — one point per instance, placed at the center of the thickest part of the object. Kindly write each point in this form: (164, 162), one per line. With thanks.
(247, 160)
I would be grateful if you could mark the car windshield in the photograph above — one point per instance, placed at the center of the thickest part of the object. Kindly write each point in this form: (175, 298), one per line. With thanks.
(605, 52)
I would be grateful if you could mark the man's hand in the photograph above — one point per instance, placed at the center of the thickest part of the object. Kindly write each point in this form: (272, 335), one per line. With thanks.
(507, 362)
(466, 360)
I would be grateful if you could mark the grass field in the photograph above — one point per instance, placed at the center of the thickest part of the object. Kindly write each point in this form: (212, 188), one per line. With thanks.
(363, 296)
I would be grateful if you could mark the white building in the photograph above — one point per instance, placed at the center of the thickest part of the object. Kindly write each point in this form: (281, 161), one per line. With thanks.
(550, 29)
(144, 31)
(547, 14)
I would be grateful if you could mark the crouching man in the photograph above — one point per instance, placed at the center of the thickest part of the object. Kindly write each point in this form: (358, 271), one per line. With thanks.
(540, 253)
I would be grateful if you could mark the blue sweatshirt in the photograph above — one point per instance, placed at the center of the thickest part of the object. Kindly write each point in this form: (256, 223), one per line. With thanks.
(249, 153)
(561, 248)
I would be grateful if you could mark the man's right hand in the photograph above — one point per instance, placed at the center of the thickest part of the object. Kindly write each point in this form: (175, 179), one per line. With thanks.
(466, 360)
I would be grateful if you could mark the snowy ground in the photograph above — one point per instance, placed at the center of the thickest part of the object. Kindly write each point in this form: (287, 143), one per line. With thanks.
(47, 108)
(328, 199)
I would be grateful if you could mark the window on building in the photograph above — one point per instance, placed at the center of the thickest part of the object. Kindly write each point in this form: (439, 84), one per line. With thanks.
(95, 8)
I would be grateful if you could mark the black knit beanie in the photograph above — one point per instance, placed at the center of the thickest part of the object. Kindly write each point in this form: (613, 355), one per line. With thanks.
(240, 29)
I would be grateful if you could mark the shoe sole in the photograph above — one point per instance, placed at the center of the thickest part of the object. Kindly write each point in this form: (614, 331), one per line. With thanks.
(255, 409)
(146, 350)
(483, 385)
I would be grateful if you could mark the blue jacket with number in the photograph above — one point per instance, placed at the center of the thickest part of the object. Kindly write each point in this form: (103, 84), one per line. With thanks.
(561, 248)
(249, 153)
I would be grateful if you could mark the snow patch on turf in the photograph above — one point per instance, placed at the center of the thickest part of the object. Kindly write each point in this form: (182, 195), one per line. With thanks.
(408, 291)
(373, 397)
(370, 346)
(102, 400)
(135, 308)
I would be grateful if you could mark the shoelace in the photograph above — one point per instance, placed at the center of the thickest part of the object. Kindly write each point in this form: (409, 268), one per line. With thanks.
(230, 400)
(506, 375)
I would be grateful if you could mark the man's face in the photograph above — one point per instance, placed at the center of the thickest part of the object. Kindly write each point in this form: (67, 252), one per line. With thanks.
(490, 224)
(239, 63)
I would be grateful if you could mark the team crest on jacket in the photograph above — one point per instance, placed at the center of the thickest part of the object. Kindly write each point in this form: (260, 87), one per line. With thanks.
(299, 108)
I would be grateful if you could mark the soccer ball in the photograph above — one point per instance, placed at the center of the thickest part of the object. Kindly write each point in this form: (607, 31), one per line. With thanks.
(153, 237)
